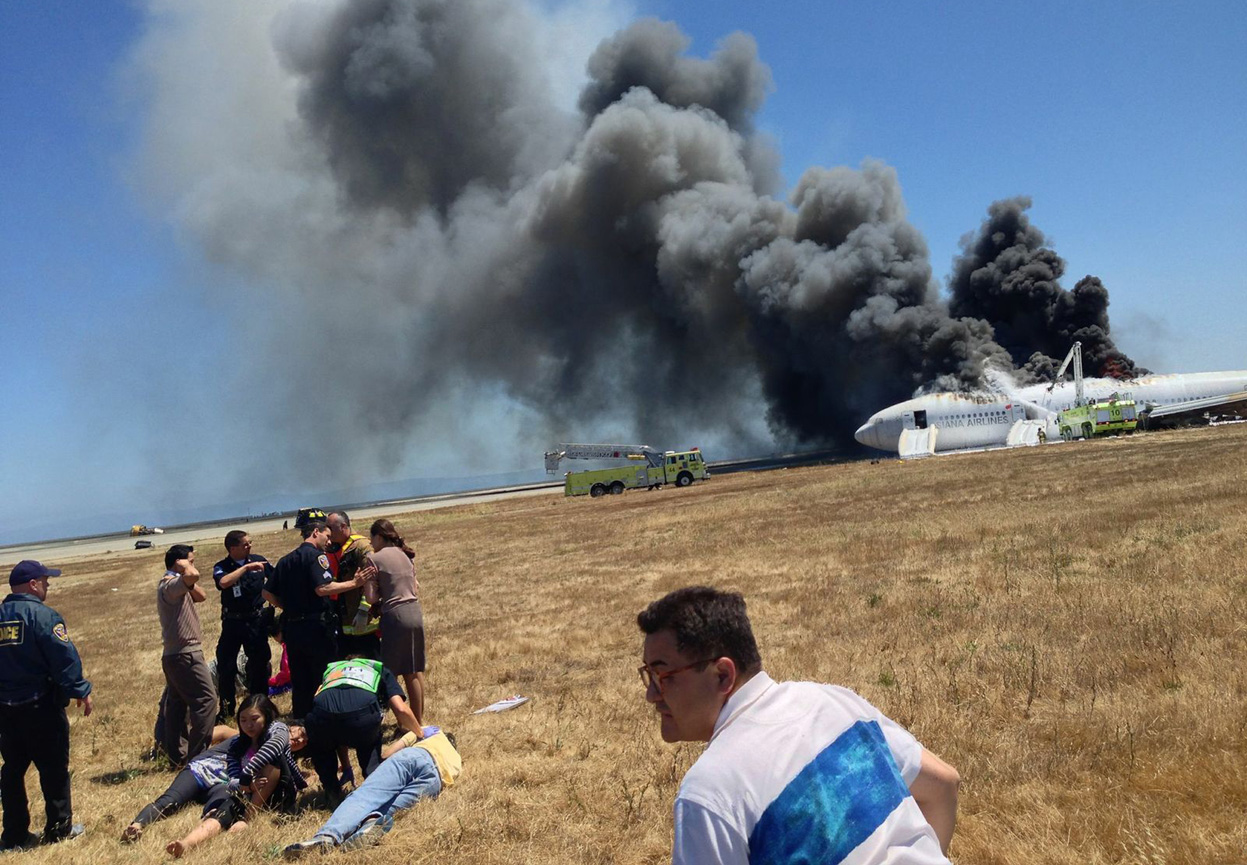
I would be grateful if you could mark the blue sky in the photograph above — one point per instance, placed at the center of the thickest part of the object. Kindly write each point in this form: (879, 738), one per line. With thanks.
(1126, 123)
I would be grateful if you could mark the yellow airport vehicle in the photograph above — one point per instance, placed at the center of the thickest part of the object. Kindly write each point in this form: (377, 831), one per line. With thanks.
(649, 468)
(1085, 419)
(1112, 417)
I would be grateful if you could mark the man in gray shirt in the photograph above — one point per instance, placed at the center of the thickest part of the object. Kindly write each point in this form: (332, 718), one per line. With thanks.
(188, 681)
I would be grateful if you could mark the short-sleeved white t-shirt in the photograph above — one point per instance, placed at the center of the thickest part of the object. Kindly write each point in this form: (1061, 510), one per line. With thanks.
(802, 772)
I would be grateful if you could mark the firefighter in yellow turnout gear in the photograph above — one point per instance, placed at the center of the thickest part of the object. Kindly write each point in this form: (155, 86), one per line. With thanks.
(348, 552)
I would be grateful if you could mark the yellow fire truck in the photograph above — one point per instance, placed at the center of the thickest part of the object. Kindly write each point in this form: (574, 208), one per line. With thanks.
(1111, 417)
(647, 469)
(1085, 418)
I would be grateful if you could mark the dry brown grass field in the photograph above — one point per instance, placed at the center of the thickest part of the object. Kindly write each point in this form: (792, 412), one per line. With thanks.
(1064, 624)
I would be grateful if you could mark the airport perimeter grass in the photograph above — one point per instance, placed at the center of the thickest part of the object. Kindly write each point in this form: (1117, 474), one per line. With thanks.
(1064, 624)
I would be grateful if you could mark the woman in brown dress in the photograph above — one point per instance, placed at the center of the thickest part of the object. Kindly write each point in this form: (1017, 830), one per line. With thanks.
(392, 588)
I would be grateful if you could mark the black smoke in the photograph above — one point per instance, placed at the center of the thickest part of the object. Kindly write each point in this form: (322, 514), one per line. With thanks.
(1008, 275)
(465, 256)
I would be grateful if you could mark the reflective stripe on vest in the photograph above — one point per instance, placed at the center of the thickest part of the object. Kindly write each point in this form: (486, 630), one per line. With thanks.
(371, 628)
(360, 673)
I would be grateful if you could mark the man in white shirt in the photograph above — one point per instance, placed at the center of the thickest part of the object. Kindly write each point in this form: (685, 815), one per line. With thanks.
(794, 771)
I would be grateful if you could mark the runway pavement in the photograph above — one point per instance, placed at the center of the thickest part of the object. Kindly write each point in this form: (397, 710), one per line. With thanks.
(51, 552)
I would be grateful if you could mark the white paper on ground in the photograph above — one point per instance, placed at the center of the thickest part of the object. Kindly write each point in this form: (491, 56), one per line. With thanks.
(503, 705)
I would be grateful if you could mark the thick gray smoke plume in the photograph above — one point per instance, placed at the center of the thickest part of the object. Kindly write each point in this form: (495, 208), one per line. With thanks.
(1008, 275)
(471, 263)
(411, 103)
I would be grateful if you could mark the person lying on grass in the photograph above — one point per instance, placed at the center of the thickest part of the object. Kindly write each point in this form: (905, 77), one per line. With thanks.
(203, 781)
(413, 769)
(195, 783)
(261, 773)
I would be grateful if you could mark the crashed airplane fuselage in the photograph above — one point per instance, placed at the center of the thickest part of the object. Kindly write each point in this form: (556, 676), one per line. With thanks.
(941, 422)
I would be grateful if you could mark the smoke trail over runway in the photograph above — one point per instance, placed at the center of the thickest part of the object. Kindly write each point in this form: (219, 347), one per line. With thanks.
(414, 214)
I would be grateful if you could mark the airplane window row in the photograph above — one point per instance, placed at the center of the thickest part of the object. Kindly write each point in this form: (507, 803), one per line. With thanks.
(981, 414)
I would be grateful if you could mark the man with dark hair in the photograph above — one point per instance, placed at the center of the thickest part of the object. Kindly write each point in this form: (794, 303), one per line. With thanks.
(240, 578)
(40, 672)
(794, 771)
(188, 681)
(300, 586)
(348, 552)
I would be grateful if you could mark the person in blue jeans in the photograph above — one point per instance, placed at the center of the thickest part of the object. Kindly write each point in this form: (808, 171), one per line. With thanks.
(414, 769)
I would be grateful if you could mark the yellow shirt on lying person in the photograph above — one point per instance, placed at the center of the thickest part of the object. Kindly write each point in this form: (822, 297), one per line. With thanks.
(449, 763)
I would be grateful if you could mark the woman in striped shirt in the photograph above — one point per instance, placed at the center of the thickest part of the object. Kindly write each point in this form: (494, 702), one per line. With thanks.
(262, 773)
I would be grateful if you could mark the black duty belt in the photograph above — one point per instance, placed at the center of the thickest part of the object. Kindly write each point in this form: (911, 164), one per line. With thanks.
(22, 704)
(323, 715)
(244, 617)
(323, 618)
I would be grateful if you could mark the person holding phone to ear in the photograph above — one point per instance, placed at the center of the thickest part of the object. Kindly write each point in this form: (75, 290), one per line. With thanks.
(191, 701)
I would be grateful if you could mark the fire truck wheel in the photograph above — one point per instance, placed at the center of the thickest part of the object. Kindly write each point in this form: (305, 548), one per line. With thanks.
(617, 488)
(597, 490)
(683, 479)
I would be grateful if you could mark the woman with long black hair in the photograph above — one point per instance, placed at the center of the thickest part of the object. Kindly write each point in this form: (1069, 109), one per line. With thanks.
(261, 772)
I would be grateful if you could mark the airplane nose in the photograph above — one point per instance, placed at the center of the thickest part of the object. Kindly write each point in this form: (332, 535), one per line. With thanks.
(868, 434)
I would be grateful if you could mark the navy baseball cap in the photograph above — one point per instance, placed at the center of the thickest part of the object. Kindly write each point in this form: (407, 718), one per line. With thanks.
(28, 569)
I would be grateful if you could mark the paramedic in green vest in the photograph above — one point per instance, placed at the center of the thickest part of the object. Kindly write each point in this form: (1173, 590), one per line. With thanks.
(346, 713)
(348, 552)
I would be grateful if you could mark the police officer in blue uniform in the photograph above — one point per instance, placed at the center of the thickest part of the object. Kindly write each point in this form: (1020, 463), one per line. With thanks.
(300, 586)
(240, 578)
(40, 672)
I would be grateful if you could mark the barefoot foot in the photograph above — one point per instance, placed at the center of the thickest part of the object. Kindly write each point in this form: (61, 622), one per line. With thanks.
(175, 849)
